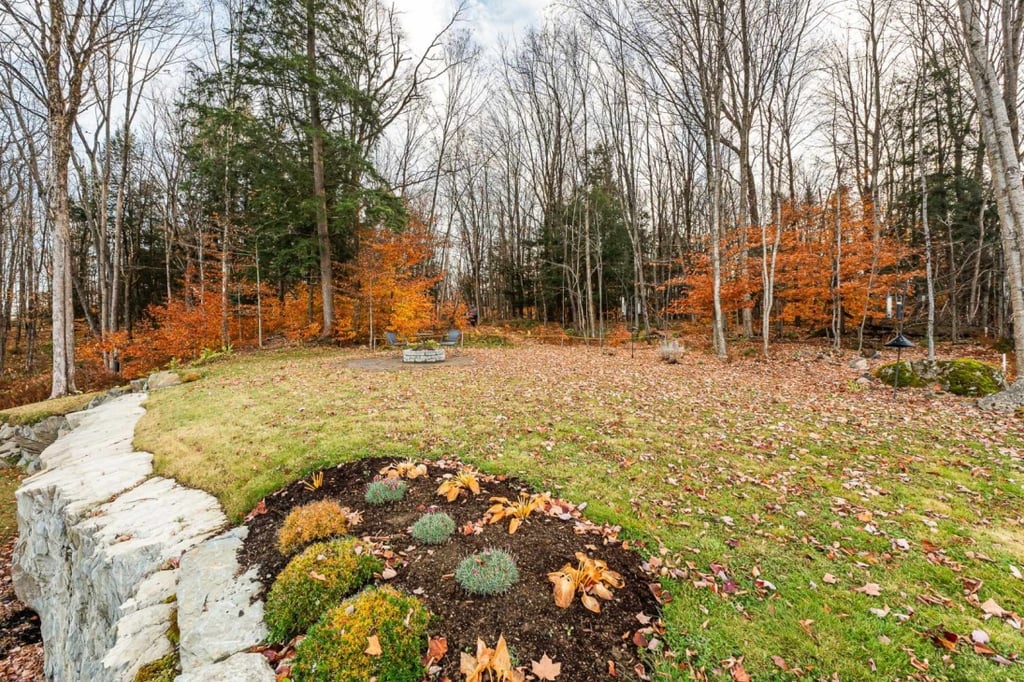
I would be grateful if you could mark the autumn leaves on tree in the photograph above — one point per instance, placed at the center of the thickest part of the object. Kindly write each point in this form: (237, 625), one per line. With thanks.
(831, 269)
(388, 286)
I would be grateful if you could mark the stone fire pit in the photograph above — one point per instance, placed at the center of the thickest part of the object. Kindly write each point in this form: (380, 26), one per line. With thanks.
(423, 355)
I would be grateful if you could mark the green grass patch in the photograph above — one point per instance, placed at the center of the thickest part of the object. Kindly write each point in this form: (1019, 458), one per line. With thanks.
(37, 412)
(757, 472)
(10, 479)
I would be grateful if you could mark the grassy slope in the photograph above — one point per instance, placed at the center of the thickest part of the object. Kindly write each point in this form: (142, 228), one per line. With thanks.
(782, 470)
(37, 412)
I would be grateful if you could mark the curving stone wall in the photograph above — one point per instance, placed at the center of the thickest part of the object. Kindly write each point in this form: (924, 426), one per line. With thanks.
(99, 540)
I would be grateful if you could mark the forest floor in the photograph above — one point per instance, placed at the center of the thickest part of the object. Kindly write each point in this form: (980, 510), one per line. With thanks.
(802, 524)
(21, 650)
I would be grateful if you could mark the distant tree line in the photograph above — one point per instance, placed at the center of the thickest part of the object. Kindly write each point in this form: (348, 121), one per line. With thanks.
(743, 164)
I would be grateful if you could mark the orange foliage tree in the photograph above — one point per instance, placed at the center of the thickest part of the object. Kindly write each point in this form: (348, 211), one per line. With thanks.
(389, 284)
(809, 288)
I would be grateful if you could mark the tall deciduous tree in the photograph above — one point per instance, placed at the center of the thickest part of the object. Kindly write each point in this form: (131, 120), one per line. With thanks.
(998, 131)
(53, 44)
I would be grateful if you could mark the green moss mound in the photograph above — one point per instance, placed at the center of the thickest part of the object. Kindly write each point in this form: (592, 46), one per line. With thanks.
(335, 650)
(960, 377)
(970, 377)
(906, 377)
(314, 582)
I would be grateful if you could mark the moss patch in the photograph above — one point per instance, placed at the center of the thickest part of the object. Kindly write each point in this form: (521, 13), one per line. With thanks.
(315, 581)
(161, 670)
(970, 377)
(960, 377)
(906, 377)
(336, 649)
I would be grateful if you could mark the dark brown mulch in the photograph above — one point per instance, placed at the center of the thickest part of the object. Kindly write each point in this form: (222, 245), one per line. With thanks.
(21, 647)
(583, 642)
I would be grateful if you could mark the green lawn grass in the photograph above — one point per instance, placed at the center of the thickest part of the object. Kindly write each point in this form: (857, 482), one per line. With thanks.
(785, 472)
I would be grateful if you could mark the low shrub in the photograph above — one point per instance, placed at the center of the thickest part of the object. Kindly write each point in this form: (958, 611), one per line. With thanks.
(433, 528)
(315, 581)
(312, 522)
(489, 572)
(341, 648)
(386, 491)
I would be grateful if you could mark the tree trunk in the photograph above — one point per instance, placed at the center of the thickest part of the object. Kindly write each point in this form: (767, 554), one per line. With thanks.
(316, 134)
(1004, 165)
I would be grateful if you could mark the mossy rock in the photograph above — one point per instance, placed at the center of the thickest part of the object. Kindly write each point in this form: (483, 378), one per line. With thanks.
(906, 376)
(336, 649)
(315, 581)
(960, 377)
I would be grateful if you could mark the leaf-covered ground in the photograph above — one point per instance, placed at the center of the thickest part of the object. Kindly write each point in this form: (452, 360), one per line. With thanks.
(21, 651)
(808, 526)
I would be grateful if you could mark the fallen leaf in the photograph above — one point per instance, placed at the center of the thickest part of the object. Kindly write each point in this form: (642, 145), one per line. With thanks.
(980, 637)
(780, 663)
(545, 669)
(388, 573)
(739, 674)
(882, 612)
(829, 578)
(870, 589)
(373, 646)
(437, 647)
(944, 639)
(318, 576)
(983, 649)
(611, 669)
(991, 608)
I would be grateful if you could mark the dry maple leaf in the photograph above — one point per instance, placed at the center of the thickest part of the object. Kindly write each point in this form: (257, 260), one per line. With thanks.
(545, 669)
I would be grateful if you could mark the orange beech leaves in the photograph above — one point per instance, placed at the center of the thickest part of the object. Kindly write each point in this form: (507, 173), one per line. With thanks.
(806, 292)
(391, 278)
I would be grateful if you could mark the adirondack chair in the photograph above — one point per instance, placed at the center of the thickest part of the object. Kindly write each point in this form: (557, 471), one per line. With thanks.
(451, 338)
(392, 339)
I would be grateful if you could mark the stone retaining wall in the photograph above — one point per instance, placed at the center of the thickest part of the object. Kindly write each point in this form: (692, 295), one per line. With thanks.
(97, 557)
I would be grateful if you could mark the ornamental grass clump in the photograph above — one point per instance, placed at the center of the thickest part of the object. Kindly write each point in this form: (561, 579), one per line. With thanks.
(378, 634)
(433, 528)
(314, 581)
(489, 572)
(312, 522)
(386, 491)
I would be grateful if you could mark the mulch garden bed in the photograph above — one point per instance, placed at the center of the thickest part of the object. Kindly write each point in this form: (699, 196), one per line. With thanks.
(590, 646)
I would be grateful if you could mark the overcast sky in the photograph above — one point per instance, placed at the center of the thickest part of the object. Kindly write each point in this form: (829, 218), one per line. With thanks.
(489, 20)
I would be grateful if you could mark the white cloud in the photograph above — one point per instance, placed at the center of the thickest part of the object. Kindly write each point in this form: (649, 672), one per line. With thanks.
(490, 21)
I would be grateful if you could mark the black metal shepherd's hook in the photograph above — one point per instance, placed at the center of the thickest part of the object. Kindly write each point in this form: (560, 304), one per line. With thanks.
(899, 343)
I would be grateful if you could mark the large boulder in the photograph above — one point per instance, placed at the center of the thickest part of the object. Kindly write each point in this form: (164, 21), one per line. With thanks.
(165, 379)
(960, 377)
